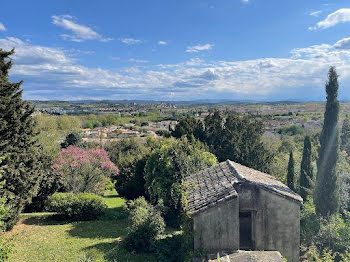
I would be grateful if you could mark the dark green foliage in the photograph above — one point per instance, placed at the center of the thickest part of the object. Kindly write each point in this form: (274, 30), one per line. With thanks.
(290, 172)
(17, 141)
(163, 133)
(6, 246)
(345, 135)
(326, 194)
(165, 248)
(334, 234)
(72, 139)
(166, 167)
(237, 138)
(189, 126)
(229, 136)
(147, 225)
(49, 184)
(291, 130)
(82, 206)
(130, 157)
(309, 222)
(306, 170)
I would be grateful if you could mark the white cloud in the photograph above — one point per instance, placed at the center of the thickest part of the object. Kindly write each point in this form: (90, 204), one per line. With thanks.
(315, 13)
(162, 43)
(130, 41)
(198, 48)
(27, 54)
(52, 73)
(340, 16)
(343, 44)
(134, 60)
(80, 33)
(245, 1)
(2, 27)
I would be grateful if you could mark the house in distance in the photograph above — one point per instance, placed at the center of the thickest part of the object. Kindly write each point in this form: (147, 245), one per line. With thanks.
(234, 207)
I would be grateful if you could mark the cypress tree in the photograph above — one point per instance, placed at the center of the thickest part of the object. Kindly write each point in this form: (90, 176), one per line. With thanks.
(326, 195)
(290, 172)
(17, 142)
(306, 170)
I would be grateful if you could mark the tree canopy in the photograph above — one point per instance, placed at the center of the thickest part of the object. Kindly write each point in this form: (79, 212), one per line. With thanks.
(168, 165)
(18, 143)
(229, 136)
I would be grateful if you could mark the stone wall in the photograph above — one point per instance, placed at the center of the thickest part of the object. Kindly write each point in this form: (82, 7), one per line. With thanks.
(275, 220)
(217, 228)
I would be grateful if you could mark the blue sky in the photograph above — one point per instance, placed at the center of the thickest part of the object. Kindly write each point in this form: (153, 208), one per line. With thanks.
(177, 50)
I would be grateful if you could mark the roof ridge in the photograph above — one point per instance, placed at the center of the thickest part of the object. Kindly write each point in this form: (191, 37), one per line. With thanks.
(235, 172)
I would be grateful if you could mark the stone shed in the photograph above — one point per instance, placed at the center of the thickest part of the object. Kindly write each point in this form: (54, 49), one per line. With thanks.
(238, 208)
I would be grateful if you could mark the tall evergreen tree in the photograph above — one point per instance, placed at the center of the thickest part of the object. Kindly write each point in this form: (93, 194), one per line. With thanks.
(306, 170)
(345, 135)
(17, 141)
(326, 196)
(290, 172)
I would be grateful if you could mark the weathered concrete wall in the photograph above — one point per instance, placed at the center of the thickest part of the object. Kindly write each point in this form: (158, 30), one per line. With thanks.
(275, 220)
(282, 225)
(217, 229)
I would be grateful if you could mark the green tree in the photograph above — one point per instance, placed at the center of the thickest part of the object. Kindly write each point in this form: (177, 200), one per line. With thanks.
(72, 139)
(5, 245)
(237, 138)
(306, 170)
(167, 166)
(326, 194)
(18, 143)
(130, 156)
(190, 127)
(345, 135)
(290, 172)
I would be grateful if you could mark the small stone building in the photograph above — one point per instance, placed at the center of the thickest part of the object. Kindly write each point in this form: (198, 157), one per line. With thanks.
(238, 208)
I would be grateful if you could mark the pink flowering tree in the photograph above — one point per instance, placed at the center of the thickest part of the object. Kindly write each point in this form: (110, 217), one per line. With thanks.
(83, 170)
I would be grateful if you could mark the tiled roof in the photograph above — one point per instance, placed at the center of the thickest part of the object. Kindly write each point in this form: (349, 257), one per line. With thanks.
(216, 184)
(246, 174)
(210, 186)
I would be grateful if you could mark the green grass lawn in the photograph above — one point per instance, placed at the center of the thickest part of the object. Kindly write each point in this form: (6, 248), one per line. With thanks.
(38, 237)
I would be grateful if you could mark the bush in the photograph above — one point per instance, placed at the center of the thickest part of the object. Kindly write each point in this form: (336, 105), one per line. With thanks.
(130, 157)
(167, 166)
(309, 222)
(82, 206)
(165, 248)
(334, 234)
(291, 130)
(147, 225)
(83, 170)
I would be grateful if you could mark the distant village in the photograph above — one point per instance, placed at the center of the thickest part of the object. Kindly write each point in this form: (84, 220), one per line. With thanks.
(276, 116)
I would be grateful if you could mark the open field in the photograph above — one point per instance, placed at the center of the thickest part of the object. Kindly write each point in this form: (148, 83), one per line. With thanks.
(38, 237)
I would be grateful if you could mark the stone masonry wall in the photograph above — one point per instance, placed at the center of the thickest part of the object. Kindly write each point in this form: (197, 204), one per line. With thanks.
(217, 228)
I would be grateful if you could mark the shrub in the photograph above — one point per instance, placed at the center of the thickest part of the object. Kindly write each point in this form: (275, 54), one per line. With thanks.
(291, 130)
(82, 206)
(334, 234)
(147, 225)
(309, 222)
(165, 248)
(84, 170)
(167, 166)
(130, 157)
